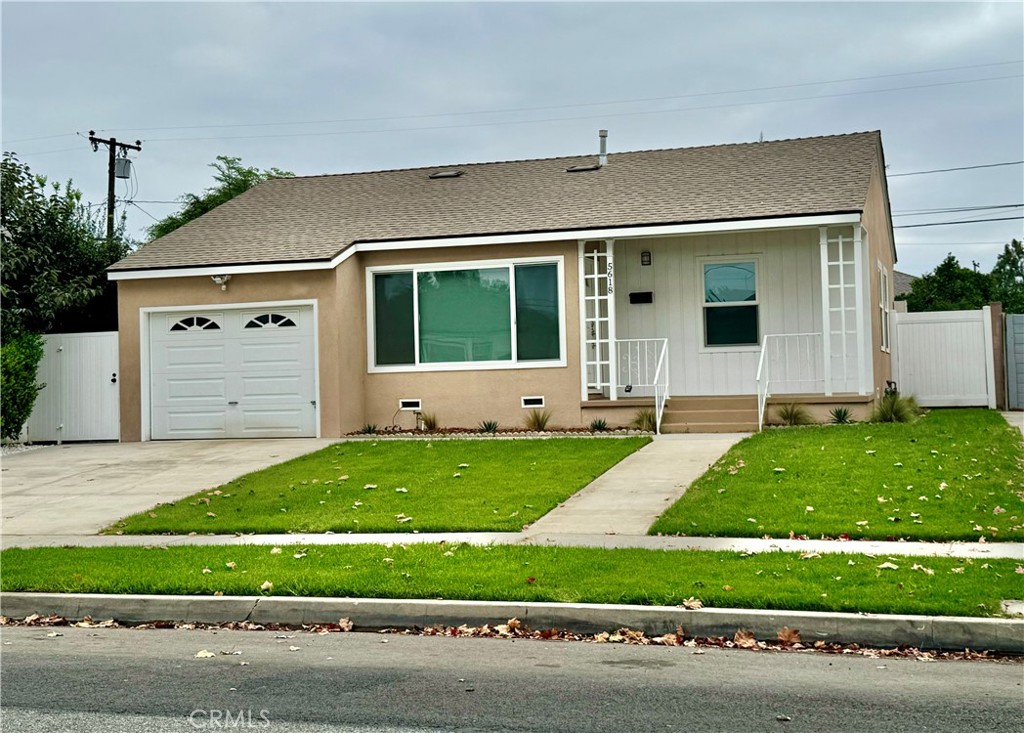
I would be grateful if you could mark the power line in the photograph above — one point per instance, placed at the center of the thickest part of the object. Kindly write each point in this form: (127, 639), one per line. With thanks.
(948, 244)
(962, 221)
(961, 168)
(579, 117)
(142, 210)
(569, 106)
(962, 209)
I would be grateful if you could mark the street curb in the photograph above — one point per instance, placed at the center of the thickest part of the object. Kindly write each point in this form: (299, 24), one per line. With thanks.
(926, 632)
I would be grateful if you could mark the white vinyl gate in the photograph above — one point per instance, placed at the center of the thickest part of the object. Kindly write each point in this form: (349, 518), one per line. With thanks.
(1015, 360)
(945, 359)
(80, 400)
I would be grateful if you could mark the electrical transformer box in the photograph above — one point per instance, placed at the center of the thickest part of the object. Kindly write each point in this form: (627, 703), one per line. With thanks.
(122, 168)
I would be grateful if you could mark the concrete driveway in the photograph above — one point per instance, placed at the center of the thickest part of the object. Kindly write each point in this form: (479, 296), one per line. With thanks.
(78, 489)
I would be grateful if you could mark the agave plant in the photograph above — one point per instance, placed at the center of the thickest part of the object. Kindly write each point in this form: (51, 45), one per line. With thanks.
(537, 420)
(645, 419)
(841, 416)
(599, 425)
(489, 426)
(793, 413)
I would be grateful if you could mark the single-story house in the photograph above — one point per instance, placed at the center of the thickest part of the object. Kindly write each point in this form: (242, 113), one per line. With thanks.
(705, 282)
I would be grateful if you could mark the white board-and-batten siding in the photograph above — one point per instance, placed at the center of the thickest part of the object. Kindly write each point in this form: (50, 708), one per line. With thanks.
(788, 291)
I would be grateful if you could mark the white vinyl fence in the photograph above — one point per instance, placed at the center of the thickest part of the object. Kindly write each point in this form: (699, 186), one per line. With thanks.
(945, 359)
(80, 400)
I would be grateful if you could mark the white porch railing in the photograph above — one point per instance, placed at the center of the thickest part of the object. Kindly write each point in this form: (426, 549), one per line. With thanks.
(643, 364)
(789, 362)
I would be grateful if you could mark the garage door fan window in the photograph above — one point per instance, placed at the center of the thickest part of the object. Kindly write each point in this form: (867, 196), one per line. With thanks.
(270, 320)
(196, 323)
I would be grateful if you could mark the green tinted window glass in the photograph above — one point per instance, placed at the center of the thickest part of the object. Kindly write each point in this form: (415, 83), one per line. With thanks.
(394, 337)
(729, 282)
(733, 325)
(537, 312)
(465, 315)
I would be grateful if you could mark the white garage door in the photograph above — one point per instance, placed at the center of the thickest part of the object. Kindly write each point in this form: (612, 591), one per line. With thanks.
(233, 374)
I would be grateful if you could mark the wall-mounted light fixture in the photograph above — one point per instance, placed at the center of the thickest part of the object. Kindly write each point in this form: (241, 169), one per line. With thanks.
(645, 258)
(221, 280)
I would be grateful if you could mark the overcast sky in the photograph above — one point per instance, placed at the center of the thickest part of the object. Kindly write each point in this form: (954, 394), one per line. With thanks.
(389, 85)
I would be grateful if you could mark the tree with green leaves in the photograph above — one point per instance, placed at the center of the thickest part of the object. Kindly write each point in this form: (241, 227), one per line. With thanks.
(232, 179)
(53, 259)
(1008, 277)
(950, 287)
(54, 256)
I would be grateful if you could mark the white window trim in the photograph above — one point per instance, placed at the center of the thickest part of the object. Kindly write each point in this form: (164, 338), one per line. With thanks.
(754, 257)
(460, 366)
(885, 309)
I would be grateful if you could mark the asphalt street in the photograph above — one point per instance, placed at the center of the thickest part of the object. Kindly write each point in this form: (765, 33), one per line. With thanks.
(114, 680)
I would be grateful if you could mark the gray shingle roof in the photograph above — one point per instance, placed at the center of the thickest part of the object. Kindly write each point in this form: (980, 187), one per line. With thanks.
(901, 282)
(316, 217)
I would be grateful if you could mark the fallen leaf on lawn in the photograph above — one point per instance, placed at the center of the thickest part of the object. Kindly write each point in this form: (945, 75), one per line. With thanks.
(204, 654)
(789, 636)
(230, 565)
(210, 514)
(809, 555)
(299, 555)
(343, 478)
(870, 452)
(456, 475)
(726, 587)
(998, 510)
(915, 515)
(888, 566)
(449, 553)
(956, 570)
(463, 465)
(881, 499)
(862, 523)
(370, 486)
(923, 569)
(808, 509)
(898, 464)
(778, 469)
(275, 551)
(1019, 570)
(267, 585)
(207, 571)
(751, 519)
(152, 515)
(401, 490)
(943, 485)
(744, 639)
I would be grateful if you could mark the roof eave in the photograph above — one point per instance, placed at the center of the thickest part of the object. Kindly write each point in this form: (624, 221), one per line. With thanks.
(835, 218)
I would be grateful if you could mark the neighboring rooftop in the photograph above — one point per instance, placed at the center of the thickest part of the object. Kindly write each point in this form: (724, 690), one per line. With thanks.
(901, 282)
(315, 218)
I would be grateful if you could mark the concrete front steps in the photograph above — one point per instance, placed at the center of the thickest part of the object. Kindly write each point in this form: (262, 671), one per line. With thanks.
(710, 414)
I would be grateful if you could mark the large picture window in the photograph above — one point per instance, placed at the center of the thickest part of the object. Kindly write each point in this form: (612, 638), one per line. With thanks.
(730, 304)
(460, 315)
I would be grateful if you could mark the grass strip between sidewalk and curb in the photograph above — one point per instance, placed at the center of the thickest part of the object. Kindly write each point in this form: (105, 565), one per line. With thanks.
(395, 486)
(771, 581)
(954, 474)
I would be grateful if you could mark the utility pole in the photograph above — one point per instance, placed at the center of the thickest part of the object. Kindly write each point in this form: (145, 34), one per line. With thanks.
(113, 147)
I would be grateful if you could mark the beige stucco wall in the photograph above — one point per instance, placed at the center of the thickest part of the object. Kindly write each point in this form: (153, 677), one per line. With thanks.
(880, 250)
(134, 295)
(464, 398)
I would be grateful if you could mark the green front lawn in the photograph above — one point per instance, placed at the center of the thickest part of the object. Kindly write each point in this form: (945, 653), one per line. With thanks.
(951, 475)
(396, 486)
(937, 586)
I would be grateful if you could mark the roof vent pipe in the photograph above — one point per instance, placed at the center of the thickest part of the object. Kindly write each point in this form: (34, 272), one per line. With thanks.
(602, 159)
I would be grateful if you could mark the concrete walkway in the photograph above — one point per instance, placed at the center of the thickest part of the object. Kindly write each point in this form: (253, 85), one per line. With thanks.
(628, 498)
(1016, 419)
(78, 489)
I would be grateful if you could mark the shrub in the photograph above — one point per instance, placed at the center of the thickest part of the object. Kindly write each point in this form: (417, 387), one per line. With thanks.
(429, 420)
(841, 416)
(645, 419)
(793, 414)
(894, 408)
(599, 425)
(369, 428)
(489, 426)
(19, 361)
(537, 420)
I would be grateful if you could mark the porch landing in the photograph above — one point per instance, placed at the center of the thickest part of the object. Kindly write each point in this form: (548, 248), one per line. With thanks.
(633, 493)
